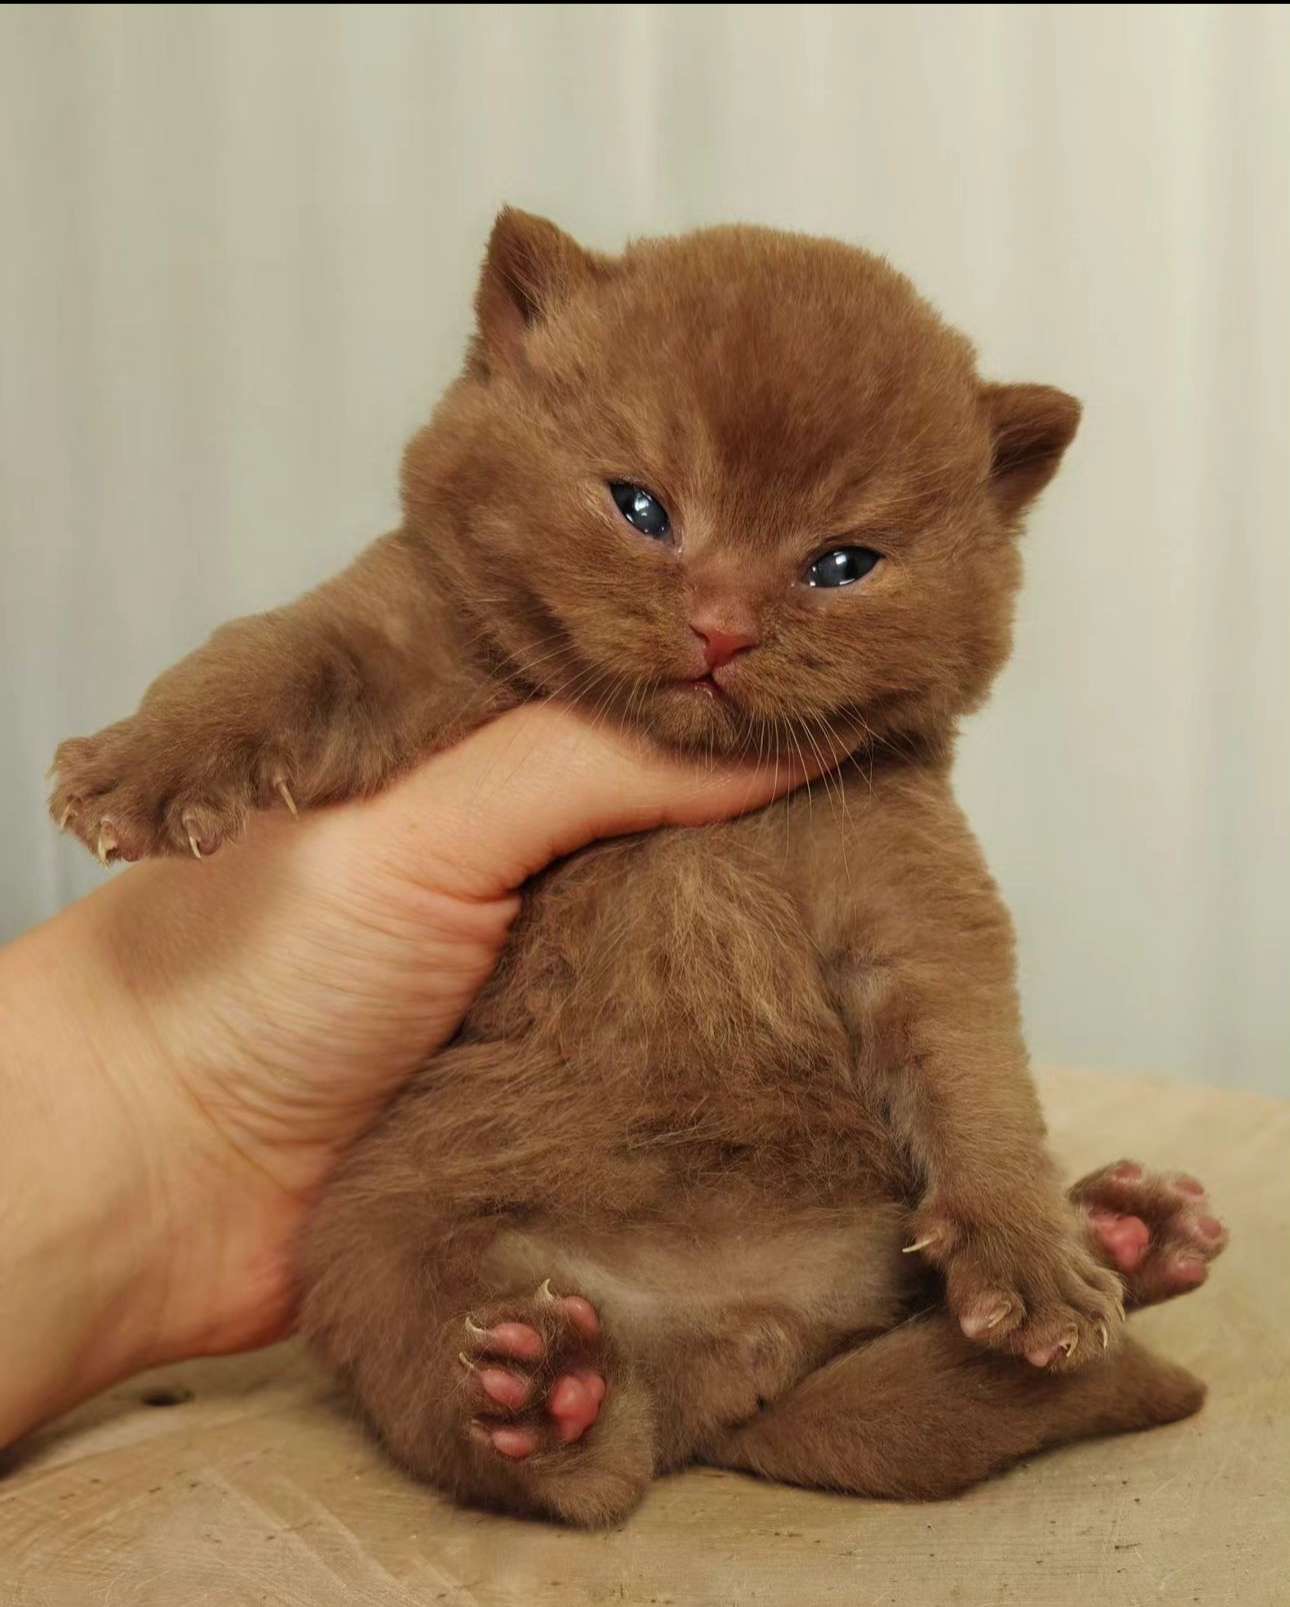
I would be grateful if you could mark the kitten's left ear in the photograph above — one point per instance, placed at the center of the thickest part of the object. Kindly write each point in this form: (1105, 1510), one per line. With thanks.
(1032, 425)
(531, 269)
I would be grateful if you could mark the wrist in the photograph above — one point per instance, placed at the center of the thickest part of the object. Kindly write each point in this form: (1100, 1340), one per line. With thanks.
(77, 1217)
(118, 1222)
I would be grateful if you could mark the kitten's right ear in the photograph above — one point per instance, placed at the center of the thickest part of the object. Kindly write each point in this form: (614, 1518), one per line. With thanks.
(530, 269)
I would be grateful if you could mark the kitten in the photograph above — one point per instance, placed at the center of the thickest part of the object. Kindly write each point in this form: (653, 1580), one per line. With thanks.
(739, 1102)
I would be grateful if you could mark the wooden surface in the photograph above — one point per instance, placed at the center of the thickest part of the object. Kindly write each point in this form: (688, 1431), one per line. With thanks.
(259, 1491)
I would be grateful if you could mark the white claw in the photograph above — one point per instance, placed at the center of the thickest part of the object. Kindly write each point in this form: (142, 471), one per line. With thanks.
(466, 1362)
(996, 1319)
(1105, 1333)
(65, 817)
(544, 1291)
(919, 1244)
(1068, 1345)
(472, 1327)
(287, 799)
(192, 843)
(106, 843)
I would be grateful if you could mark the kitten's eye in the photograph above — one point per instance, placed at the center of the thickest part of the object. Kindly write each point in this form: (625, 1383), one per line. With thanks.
(842, 567)
(641, 510)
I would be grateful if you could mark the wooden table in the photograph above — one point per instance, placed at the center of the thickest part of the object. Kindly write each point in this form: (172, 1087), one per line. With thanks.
(258, 1490)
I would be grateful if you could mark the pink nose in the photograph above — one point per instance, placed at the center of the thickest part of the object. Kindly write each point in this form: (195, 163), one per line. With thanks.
(720, 646)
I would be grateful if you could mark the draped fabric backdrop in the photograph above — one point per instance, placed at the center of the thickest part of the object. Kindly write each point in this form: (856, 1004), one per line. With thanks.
(239, 248)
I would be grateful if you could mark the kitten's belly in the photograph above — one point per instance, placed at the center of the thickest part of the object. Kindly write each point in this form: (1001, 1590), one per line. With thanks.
(721, 1271)
(683, 955)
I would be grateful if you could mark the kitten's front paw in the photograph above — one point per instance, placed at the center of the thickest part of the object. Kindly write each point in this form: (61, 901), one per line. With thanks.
(534, 1377)
(143, 787)
(1028, 1287)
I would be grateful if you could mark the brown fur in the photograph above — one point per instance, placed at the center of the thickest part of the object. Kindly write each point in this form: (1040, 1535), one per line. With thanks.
(721, 1076)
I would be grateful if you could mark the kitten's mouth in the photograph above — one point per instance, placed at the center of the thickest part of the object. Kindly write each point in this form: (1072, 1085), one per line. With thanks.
(704, 685)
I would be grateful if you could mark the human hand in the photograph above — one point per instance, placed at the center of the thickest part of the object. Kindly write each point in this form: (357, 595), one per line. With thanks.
(189, 1051)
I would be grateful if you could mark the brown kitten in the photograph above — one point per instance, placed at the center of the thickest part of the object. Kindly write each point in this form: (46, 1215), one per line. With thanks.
(744, 490)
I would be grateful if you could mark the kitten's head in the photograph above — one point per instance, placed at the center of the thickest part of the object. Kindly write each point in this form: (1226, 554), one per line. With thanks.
(742, 488)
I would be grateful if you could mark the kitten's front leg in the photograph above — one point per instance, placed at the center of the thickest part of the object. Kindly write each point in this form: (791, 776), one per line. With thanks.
(933, 1009)
(313, 703)
(1019, 1276)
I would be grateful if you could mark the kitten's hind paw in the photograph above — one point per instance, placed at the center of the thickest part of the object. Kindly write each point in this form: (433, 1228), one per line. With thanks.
(533, 1373)
(1156, 1228)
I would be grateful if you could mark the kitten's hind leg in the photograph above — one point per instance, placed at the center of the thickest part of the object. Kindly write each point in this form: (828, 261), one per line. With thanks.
(515, 1399)
(922, 1413)
(499, 1386)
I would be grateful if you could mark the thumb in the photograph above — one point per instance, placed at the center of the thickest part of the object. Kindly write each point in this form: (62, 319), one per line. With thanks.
(541, 781)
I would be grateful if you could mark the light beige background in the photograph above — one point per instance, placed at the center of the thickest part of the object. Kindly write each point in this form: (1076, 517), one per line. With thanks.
(239, 244)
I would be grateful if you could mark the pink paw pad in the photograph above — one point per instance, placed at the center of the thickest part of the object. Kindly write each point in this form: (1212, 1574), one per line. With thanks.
(1187, 1269)
(507, 1389)
(1126, 1238)
(1152, 1227)
(552, 1387)
(574, 1402)
(510, 1339)
(513, 1442)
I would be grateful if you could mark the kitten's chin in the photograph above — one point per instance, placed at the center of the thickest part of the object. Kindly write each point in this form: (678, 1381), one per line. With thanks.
(698, 716)
(713, 721)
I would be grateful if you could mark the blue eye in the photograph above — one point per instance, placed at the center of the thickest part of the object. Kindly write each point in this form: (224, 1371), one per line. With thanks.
(641, 510)
(841, 568)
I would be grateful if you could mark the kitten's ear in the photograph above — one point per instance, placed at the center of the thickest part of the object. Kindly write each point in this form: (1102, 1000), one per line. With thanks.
(1032, 426)
(530, 269)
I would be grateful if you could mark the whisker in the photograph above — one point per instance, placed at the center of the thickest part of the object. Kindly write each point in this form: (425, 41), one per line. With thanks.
(826, 780)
